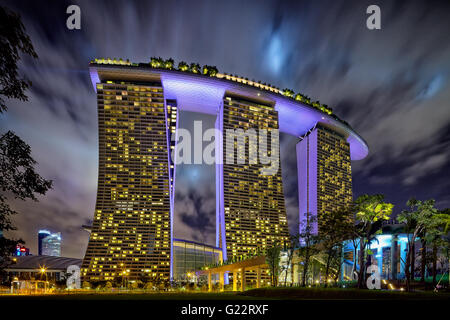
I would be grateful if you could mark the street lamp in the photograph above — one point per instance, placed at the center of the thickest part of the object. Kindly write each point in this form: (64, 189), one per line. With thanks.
(44, 271)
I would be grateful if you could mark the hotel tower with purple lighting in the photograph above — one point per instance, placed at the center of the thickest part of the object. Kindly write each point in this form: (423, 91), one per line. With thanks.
(138, 106)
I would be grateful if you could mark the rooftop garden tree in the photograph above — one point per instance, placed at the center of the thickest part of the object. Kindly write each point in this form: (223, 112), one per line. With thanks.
(156, 62)
(183, 66)
(169, 63)
(194, 68)
(288, 93)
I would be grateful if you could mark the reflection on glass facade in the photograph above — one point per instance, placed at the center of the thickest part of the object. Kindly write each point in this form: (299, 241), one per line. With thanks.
(190, 256)
(251, 212)
(131, 232)
(51, 245)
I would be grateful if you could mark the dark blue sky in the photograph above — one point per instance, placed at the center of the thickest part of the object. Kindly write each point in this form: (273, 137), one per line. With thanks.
(392, 86)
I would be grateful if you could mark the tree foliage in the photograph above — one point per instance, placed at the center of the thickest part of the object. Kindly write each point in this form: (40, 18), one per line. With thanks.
(273, 261)
(419, 219)
(13, 42)
(370, 211)
(18, 178)
(308, 243)
(339, 227)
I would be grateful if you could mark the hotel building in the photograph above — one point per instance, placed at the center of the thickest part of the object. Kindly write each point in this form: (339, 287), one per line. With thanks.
(251, 211)
(131, 232)
(138, 106)
(324, 176)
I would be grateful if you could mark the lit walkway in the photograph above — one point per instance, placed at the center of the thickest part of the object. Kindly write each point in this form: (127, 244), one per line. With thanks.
(256, 264)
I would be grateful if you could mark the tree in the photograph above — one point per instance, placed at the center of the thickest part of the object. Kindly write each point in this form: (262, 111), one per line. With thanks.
(370, 210)
(18, 178)
(290, 248)
(308, 242)
(169, 63)
(194, 68)
(420, 216)
(440, 239)
(156, 62)
(14, 41)
(338, 228)
(273, 261)
(183, 66)
(288, 93)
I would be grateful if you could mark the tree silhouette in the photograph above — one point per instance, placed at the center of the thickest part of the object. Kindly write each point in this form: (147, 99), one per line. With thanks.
(18, 178)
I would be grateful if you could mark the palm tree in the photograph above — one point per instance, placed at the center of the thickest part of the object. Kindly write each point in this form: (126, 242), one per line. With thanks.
(371, 210)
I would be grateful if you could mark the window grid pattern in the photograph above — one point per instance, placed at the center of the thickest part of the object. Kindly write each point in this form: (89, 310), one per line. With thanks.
(334, 176)
(131, 227)
(254, 208)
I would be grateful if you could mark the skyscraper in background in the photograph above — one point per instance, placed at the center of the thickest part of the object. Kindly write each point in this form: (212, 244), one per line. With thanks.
(324, 175)
(49, 244)
(41, 235)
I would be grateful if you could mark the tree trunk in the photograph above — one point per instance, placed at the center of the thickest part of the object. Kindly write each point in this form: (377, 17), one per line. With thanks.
(355, 253)
(394, 257)
(423, 260)
(286, 272)
(434, 263)
(361, 274)
(305, 270)
(413, 260)
(292, 270)
(341, 262)
(327, 269)
(407, 267)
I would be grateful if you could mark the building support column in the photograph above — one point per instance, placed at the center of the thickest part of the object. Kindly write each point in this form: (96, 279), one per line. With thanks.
(209, 282)
(258, 277)
(243, 279)
(221, 281)
(235, 280)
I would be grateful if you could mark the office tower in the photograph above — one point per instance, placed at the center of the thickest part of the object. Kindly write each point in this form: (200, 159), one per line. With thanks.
(49, 244)
(41, 235)
(251, 212)
(324, 175)
(131, 232)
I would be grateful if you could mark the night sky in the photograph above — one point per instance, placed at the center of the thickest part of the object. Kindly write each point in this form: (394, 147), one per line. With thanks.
(392, 85)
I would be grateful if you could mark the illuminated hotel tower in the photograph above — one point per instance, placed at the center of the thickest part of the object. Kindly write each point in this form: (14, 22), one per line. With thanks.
(131, 232)
(324, 175)
(251, 212)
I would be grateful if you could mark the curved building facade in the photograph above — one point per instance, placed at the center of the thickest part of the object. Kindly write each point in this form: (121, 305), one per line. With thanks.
(138, 114)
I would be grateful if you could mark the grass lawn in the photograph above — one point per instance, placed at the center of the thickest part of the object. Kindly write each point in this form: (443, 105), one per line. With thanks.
(134, 296)
(254, 294)
(341, 294)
